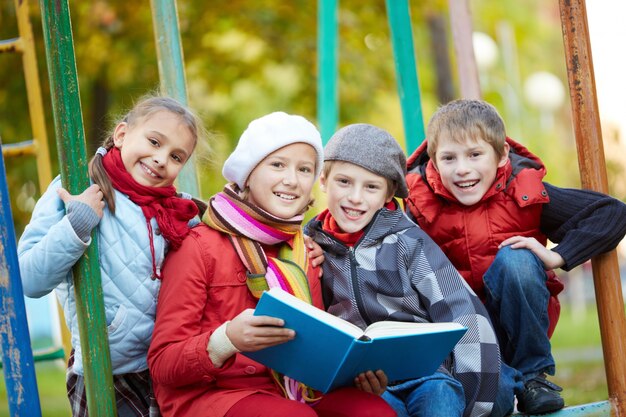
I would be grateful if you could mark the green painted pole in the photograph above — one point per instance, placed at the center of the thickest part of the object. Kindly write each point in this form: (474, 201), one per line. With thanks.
(172, 73)
(406, 72)
(327, 107)
(68, 123)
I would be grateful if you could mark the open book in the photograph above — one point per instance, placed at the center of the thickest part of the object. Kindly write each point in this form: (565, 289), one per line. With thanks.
(329, 352)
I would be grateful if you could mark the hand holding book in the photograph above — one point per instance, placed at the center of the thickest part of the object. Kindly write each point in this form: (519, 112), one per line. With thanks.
(250, 333)
(328, 352)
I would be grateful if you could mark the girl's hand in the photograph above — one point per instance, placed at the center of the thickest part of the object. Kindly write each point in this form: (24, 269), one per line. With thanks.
(550, 259)
(250, 333)
(373, 382)
(315, 252)
(92, 196)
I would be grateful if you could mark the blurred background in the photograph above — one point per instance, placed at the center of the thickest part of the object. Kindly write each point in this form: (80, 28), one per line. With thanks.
(244, 59)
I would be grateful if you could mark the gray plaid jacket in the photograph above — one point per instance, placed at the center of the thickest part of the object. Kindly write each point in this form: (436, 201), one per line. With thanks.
(396, 272)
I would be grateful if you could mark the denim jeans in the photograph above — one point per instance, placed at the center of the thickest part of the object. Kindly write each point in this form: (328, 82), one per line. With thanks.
(437, 395)
(510, 383)
(517, 302)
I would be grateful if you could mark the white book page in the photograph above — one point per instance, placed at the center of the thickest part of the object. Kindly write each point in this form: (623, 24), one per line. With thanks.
(392, 328)
(313, 311)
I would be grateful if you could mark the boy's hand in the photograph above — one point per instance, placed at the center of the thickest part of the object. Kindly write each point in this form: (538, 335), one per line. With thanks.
(250, 333)
(315, 252)
(373, 382)
(92, 196)
(550, 259)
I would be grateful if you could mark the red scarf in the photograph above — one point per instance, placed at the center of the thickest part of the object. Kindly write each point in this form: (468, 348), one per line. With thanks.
(172, 213)
(330, 226)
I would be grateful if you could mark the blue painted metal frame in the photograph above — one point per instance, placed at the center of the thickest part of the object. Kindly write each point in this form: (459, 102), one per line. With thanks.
(17, 355)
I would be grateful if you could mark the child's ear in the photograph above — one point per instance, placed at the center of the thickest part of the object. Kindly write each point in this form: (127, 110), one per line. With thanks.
(505, 155)
(322, 182)
(434, 161)
(119, 133)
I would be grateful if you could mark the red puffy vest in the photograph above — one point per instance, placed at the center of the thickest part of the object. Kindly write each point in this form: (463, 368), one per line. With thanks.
(470, 235)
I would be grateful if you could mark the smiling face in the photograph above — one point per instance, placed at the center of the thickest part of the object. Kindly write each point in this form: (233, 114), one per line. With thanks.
(281, 184)
(354, 195)
(155, 149)
(468, 168)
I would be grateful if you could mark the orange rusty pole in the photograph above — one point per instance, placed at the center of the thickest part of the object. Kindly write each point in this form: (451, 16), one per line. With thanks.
(610, 301)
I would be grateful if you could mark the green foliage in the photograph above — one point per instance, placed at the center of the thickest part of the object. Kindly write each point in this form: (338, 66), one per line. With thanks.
(52, 393)
(576, 346)
(242, 65)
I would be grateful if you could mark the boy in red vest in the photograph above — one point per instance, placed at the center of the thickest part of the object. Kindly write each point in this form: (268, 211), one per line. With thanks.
(481, 197)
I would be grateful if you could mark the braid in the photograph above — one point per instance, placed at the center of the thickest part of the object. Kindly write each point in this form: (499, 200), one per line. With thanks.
(99, 175)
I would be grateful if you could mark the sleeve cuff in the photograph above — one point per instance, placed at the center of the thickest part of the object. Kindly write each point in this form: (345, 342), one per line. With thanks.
(220, 348)
(82, 218)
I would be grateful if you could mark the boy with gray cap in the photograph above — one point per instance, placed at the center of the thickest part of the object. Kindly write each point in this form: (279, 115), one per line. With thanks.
(379, 265)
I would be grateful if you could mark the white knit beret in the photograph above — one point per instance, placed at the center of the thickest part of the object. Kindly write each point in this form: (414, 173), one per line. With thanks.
(266, 135)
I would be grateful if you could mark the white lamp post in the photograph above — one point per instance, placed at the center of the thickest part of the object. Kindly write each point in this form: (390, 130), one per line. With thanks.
(544, 91)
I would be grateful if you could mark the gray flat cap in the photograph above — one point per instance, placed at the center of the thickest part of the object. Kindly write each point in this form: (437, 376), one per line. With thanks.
(372, 148)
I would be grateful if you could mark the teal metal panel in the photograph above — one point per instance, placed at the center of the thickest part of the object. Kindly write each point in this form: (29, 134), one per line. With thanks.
(406, 72)
(599, 409)
(172, 74)
(327, 98)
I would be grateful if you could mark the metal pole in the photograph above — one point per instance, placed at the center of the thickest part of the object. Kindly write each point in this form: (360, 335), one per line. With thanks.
(37, 121)
(327, 107)
(610, 301)
(172, 74)
(461, 22)
(17, 355)
(406, 72)
(33, 90)
(68, 122)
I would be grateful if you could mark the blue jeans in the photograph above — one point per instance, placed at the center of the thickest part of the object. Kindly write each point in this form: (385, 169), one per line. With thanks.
(517, 302)
(437, 395)
(510, 383)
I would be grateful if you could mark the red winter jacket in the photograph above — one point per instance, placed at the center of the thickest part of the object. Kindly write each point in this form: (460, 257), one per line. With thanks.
(470, 235)
(204, 285)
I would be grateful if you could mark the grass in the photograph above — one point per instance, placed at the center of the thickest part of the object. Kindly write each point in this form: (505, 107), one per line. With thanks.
(576, 348)
(51, 386)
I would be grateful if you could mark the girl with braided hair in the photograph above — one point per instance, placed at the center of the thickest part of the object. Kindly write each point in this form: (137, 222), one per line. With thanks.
(137, 215)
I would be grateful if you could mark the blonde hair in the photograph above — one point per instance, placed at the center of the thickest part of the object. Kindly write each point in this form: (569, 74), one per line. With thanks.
(145, 107)
(463, 120)
(392, 186)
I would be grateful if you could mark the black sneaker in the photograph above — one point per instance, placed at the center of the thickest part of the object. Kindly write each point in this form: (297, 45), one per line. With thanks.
(540, 396)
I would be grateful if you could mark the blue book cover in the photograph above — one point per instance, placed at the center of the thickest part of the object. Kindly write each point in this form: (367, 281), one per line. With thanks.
(329, 352)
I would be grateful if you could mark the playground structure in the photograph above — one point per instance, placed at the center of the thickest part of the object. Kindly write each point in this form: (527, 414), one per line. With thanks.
(17, 354)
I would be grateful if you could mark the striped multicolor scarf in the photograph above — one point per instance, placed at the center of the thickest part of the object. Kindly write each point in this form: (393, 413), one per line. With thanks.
(248, 227)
